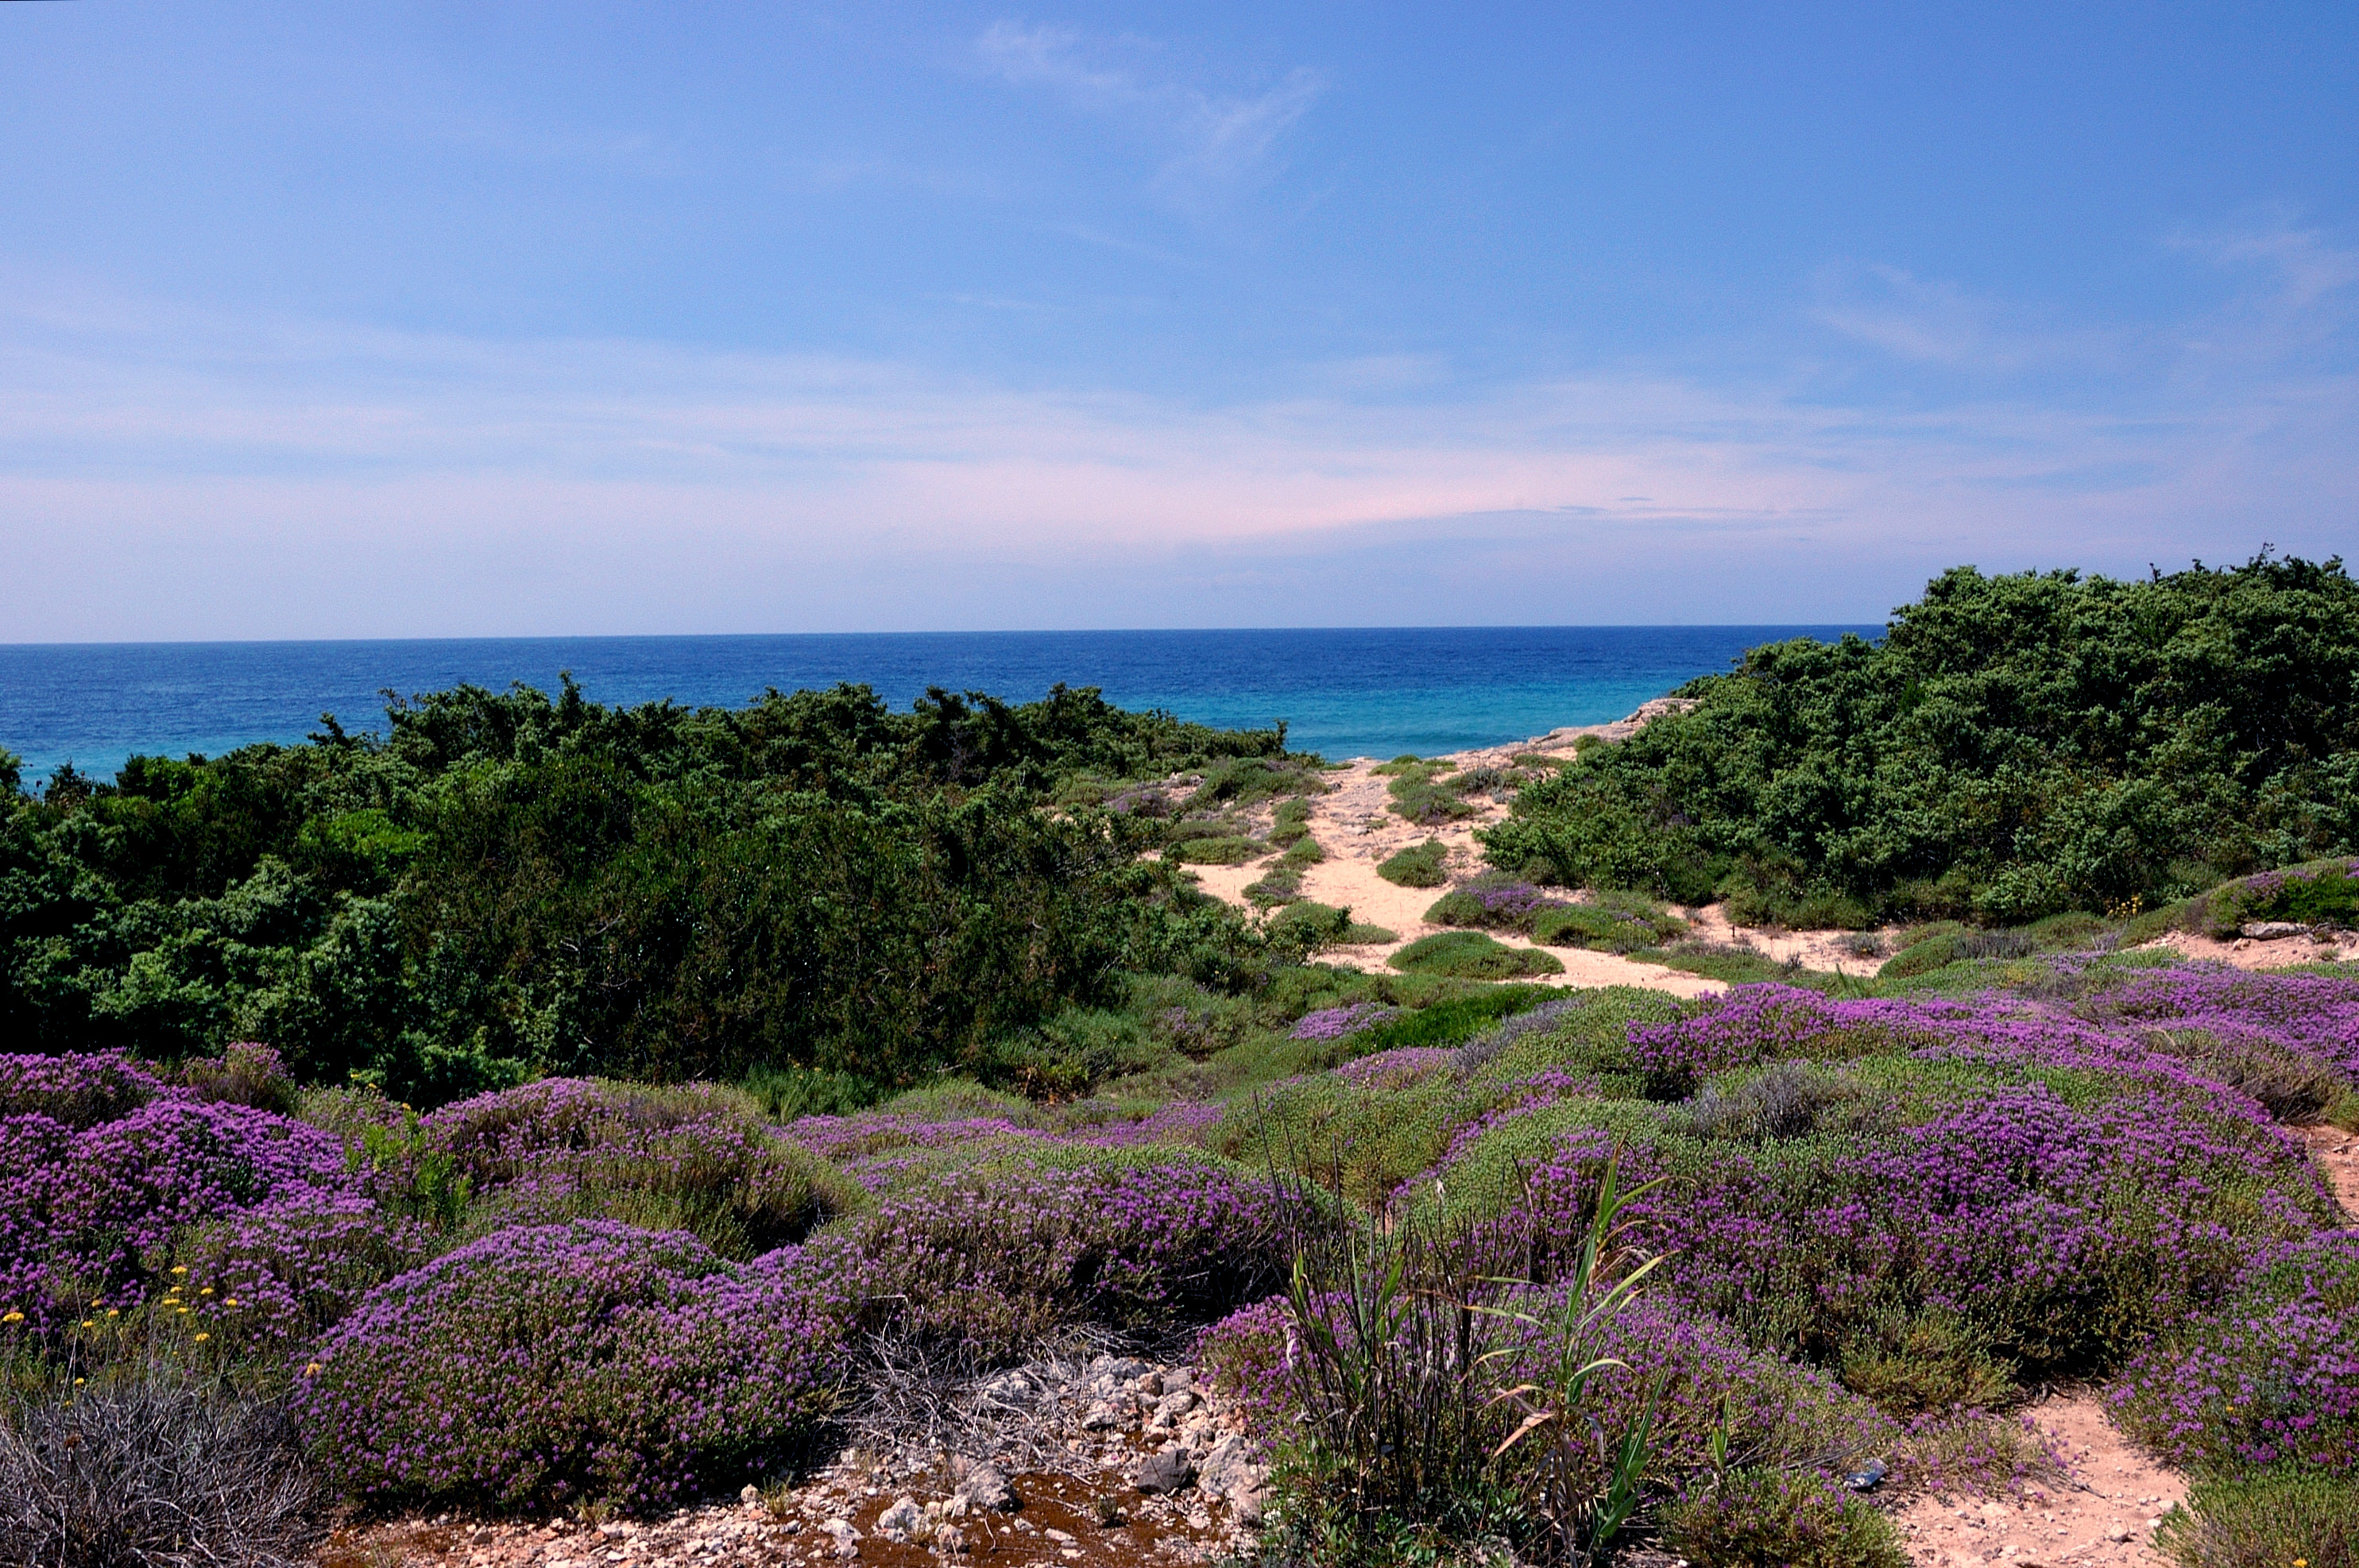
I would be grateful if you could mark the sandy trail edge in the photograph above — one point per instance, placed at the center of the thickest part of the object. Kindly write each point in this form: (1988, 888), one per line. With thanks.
(2113, 1491)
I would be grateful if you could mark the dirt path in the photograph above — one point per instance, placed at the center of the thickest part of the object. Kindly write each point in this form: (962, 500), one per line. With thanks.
(2105, 1514)
(2337, 1153)
(1356, 828)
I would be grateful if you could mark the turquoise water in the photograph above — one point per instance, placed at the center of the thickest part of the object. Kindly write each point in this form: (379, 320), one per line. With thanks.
(1349, 692)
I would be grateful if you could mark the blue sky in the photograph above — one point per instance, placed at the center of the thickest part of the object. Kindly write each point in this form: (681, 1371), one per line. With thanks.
(386, 321)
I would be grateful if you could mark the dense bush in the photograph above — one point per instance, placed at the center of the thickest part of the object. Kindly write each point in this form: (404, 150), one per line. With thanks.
(549, 1365)
(504, 886)
(986, 1259)
(1777, 1519)
(1418, 866)
(2013, 746)
(686, 1158)
(2271, 1377)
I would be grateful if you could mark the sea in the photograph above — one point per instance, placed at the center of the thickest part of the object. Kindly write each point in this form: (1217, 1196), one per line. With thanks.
(1342, 692)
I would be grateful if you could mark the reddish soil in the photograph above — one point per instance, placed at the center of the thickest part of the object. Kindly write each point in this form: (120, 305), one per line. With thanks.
(2105, 1513)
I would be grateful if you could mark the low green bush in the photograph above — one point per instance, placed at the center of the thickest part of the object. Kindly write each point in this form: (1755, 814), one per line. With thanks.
(1290, 823)
(1472, 956)
(2269, 1521)
(1418, 866)
(1778, 1518)
(1610, 922)
(1229, 850)
(1281, 883)
(1304, 852)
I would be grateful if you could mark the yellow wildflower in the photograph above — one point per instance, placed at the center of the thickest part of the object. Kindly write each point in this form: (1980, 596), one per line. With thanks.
(115, 1311)
(90, 1323)
(206, 1292)
(79, 1381)
(180, 1268)
(202, 1337)
(229, 1301)
(313, 1371)
(12, 1317)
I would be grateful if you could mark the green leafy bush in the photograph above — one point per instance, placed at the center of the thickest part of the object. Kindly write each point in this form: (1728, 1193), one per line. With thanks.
(1418, 866)
(2012, 747)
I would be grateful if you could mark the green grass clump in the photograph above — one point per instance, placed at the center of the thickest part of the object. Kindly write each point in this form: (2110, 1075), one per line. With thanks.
(1236, 781)
(2269, 1521)
(1290, 824)
(1472, 955)
(1418, 866)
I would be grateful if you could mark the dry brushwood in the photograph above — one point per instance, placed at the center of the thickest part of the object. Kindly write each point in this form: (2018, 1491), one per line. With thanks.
(152, 1471)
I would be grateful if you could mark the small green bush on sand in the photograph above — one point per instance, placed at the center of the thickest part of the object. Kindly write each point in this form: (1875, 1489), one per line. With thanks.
(1472, 956)
(1418, 866)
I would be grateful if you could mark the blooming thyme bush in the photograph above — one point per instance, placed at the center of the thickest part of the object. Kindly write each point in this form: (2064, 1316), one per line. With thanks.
(987, 1259)
(549, 1365)
(75, 1091)
(95, 1211)
(2266, 1521)
(2271, 1377)
(689, 1157)
(1335, 1023)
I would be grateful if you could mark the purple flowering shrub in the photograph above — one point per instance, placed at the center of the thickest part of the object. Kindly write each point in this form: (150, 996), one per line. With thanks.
(93, 1213)
(1336, 1022)
(688, 1157)
(1753, 1024)
(549, 1365)
(2270, 1376)
(75, 1092)
(295, 1267)
(989, 1259)
(879, 1149)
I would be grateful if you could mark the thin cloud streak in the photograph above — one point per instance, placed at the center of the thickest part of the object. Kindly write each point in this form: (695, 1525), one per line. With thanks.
(171, 472)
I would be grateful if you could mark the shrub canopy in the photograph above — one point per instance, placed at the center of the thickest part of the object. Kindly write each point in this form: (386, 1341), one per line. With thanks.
(2012, 747)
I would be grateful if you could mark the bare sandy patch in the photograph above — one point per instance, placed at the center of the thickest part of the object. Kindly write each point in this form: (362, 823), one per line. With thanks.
(2105, 1514)
(2251, 953)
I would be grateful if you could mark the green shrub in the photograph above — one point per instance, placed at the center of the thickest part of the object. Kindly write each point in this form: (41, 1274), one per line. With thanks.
(1610, 922)
(1290, 823)
(1472, 956)
(2268, 1520)
(1418, 866)
(1778, 1518)
(1304, 852)
(788, 1092)
(1280, 884)
(1229, 850)
(2014, 747)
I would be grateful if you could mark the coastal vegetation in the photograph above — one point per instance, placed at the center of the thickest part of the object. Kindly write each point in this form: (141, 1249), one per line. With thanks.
(2012, 747)
(549, 1111)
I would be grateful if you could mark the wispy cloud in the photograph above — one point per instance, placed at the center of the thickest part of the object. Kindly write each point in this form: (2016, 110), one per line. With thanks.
(170, 473)
(1209, 138)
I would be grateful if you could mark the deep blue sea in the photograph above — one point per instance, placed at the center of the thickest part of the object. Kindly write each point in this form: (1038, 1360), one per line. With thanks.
(1351, 692)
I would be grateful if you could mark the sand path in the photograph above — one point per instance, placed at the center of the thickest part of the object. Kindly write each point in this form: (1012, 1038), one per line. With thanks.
(2105, 1514)
(1357, 829)
(2337, 1153)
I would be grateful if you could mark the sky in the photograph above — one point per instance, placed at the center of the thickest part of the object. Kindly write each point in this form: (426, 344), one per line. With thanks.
(330, 320)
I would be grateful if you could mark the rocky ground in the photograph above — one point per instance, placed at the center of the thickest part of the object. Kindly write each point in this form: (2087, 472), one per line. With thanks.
(1108, 1460)
(2103, 1511)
